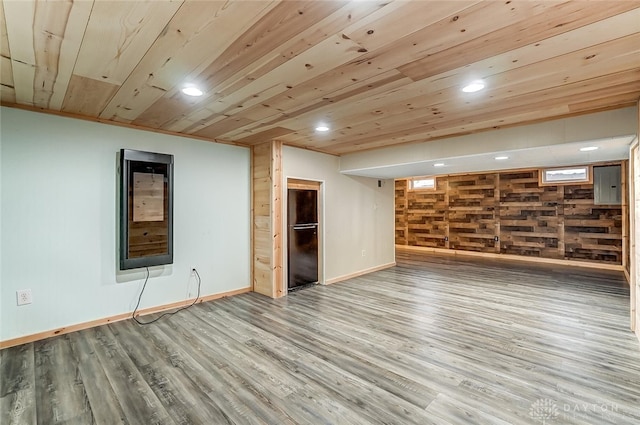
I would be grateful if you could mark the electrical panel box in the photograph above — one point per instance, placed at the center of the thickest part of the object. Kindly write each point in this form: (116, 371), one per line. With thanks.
(607, 185)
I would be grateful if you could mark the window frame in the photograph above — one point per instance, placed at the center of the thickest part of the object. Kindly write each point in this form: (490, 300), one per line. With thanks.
(413, 179)
(543, 182)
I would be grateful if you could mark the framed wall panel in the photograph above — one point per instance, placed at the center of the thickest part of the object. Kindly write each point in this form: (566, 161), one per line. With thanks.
(146, 209)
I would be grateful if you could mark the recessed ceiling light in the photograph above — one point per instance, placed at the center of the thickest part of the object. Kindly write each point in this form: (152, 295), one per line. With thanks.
(588, 148)
(439, 164)
(322, 127)
(473, 86)
(501, 158)
(192, 91)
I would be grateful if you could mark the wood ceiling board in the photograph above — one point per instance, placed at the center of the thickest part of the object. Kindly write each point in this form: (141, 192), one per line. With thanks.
(23, 77)
(76, 23)
(516, 120)
(278, 26)
(626, 82)
(352, 72)
(87, 96)
(312, 115)
(20, 38)
(457, 29)
(197, 119)
(334, 23)
(264, 115)
(118, 35)
(265, 136)
(607, 58)
(402, 18)
(602, 31)
(537, 106)
(334, 51)
(4, 38)
(198, 33)
(50, 24)
(527, 52)
(282, 24)
(618, 26)
(6, 72)
(605, 103)
(19, 16)
(7, 94)
(557, 19)
(497, 116)
(220, 128)
(323, 109)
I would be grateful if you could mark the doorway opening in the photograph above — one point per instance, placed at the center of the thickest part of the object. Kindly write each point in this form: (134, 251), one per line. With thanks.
(303, 234)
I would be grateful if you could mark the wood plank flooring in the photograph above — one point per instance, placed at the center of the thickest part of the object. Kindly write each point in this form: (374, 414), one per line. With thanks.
(435, 340)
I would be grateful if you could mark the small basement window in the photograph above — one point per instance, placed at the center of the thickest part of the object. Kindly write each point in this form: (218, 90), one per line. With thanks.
(423, 183)
(568, 175)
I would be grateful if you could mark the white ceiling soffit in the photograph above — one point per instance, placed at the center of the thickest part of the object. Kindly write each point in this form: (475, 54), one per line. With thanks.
(547, 144)
(611, 149)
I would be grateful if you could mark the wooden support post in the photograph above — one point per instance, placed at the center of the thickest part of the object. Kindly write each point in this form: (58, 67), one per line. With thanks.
(267, 219)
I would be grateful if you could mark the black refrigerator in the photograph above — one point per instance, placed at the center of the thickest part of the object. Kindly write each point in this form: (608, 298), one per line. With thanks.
(302, 253)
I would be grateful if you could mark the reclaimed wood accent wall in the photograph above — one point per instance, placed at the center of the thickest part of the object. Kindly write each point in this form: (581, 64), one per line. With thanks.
(267, 219)
(508, 212)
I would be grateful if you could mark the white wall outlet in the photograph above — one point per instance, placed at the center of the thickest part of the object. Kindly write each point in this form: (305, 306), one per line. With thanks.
(363, 252)
(24, 296)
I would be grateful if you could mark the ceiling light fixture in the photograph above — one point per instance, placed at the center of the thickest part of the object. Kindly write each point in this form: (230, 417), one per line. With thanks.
(439, 164)
(473, 86)
(322, 127)
(501, 158)
(192, 91)
(588, 148)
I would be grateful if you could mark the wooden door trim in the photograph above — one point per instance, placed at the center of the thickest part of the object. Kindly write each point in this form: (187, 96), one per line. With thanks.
(303, 184)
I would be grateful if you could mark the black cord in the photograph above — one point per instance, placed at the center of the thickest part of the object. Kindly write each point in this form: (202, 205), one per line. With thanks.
(164, 314)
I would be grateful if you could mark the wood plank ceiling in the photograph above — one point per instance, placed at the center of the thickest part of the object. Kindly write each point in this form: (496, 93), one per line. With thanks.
(378, 73)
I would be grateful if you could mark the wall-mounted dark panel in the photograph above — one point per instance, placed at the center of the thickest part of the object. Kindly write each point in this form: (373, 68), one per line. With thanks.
(146, 209)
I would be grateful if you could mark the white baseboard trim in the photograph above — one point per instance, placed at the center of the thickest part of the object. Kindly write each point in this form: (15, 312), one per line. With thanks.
(359, 273)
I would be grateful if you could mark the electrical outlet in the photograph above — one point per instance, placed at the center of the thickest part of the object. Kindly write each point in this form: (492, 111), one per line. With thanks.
(363, 252)
(24, 296)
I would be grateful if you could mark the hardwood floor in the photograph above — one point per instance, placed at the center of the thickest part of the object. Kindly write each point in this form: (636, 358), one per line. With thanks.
(435, 340)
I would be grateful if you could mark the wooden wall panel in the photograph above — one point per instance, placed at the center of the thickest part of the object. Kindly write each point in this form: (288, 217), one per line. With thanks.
(509, 213)
(427, 216)
(591, 232)
(471, 212)
(528, 214)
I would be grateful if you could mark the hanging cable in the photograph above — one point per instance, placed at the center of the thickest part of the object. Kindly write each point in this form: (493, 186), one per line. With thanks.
(164, 314)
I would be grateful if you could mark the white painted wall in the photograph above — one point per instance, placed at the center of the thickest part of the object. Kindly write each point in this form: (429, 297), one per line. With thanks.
(358, 215)
(59, 221)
